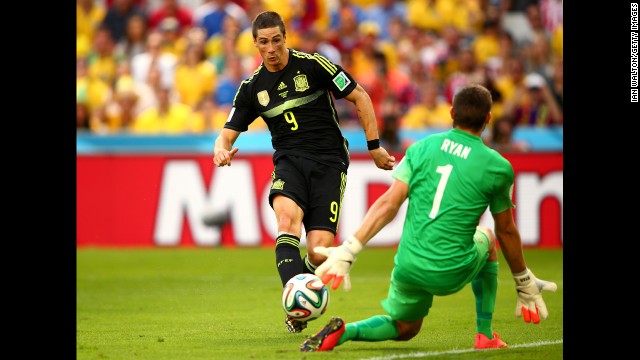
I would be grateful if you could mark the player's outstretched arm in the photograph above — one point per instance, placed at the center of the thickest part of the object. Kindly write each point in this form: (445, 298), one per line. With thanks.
(361, 99)
(340, 259)
(530, 304)
(222, 152)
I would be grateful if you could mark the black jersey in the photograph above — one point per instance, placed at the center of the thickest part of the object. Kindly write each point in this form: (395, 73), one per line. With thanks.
(297, 105)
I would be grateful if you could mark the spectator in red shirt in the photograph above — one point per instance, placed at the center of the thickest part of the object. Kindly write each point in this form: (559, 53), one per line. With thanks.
(171, 8)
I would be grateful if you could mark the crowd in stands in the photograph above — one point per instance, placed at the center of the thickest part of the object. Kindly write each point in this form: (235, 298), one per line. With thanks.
(173, 66)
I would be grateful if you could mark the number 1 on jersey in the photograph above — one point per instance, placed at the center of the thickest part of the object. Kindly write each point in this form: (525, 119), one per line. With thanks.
(445, 171)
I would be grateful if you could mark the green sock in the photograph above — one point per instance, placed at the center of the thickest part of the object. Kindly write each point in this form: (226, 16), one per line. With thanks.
(376, 328)
(485, 286)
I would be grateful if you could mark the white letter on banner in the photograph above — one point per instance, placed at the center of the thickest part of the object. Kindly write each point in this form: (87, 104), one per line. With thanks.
(531, 191)
(233, 189)
(182, 190)
(356, 203)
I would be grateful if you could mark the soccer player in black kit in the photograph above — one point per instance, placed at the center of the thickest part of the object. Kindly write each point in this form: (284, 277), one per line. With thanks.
(292, 91)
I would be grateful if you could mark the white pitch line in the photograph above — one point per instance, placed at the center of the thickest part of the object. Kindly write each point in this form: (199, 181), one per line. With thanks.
(462, 351)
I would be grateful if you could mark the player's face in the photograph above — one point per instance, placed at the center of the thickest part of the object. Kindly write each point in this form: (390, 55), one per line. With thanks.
(271, 45)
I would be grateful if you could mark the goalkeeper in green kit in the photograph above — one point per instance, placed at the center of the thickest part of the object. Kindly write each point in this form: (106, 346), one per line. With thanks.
(450, 179)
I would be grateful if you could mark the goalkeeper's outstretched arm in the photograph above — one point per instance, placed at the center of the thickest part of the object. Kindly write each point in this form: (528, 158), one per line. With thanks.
(530, 304)
(382, 211)
(340, 259)
(508, 237)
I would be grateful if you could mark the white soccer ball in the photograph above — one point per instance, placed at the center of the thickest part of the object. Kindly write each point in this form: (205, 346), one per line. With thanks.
(305, 297)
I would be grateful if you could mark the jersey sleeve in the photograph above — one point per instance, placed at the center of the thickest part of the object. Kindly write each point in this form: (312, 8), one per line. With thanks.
(333, 77)
(503, 191)
(403, 171)
(242, 113)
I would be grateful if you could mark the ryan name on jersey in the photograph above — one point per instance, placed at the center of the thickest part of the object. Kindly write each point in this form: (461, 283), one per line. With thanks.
(455, 148)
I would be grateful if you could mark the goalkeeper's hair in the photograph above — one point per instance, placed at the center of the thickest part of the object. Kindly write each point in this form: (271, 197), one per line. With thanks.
(471, 104)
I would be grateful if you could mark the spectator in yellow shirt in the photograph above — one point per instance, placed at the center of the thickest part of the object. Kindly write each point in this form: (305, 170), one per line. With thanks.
(92, 93)
(207, 117)
(425, 15)
(101, 60)
(432, 112)
(121, 111)
(167, 117)
(195, 77)
(487, 44)
(89, 15)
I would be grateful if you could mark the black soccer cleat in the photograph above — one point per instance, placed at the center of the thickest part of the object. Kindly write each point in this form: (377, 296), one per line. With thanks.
(293, 325)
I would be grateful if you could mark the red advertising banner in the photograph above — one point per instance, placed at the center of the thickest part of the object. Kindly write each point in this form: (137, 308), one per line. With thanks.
(183, 200)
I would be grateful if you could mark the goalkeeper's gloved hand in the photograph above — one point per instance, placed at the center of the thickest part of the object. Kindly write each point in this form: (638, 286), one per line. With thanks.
(338, 263)
(530, 304)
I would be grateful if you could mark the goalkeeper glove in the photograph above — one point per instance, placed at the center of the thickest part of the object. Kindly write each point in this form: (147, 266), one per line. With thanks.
(530, 304)
(338, 263)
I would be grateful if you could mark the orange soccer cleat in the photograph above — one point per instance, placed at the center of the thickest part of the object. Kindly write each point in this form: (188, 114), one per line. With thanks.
(325, 339)
(483, 342)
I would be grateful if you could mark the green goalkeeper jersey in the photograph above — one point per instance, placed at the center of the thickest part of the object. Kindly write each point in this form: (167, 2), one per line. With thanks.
(452, 176)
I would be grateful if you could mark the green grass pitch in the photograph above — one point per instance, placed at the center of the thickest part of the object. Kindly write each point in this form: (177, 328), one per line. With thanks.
(224, 303)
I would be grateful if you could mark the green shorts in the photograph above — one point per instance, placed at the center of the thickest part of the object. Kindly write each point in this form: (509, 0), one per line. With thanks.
(411, 302)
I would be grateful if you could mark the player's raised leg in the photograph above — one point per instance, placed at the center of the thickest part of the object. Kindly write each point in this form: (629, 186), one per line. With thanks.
(288, 261)
(289, 217)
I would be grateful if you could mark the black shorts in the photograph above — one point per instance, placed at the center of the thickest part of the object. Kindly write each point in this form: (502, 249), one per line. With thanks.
(317, 188)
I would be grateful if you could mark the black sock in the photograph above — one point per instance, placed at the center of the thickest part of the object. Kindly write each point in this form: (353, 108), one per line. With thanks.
(288, 260)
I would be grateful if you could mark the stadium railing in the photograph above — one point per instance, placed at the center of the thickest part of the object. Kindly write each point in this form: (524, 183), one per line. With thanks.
(539, 139)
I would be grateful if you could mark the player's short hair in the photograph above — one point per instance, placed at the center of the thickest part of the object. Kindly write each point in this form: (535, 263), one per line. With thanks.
(265, 20)
(471, 104)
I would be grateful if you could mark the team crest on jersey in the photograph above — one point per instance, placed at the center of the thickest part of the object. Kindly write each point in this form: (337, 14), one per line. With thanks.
(301, 82)
(342, 81)
(263, 97)
(277, 185)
